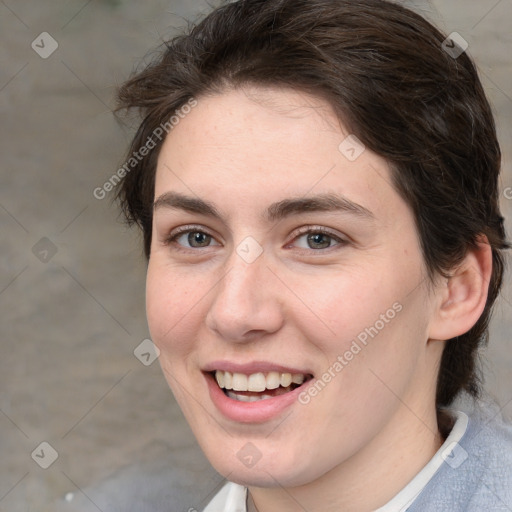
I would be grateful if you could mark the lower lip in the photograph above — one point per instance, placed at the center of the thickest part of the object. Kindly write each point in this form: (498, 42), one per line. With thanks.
(251, 412)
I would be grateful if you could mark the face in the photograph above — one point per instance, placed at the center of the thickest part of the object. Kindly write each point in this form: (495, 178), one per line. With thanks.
(285, 264)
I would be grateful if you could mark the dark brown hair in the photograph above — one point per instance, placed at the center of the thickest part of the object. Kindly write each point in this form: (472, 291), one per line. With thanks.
(385, 71)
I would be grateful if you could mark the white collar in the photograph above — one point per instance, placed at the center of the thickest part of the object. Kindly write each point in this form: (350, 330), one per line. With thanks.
(231, 498)
(404, 499)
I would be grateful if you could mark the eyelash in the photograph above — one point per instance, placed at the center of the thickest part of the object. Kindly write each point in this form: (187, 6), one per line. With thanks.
(305, 230)
(174, 235)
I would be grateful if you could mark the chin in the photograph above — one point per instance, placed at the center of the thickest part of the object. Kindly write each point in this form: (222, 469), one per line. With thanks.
(272, 472)
(262, 477)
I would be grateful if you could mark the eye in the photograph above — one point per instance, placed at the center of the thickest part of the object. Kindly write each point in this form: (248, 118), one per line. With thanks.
(191, 238)
(316, 238)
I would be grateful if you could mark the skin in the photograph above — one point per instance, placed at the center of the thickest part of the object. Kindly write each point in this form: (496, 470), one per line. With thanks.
(374, 425)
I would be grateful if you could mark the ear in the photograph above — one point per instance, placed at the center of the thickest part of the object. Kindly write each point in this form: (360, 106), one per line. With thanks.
(462, 296)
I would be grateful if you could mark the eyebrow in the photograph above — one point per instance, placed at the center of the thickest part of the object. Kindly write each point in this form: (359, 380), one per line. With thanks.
(328, 202)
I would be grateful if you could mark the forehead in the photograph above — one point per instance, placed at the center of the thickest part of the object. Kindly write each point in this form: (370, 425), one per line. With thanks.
(267, 144)
(263, 113)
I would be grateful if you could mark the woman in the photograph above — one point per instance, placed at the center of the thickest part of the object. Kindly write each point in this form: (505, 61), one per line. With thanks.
(317, 186)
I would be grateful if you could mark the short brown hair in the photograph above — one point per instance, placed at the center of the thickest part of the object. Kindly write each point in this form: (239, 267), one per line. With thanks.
(385, 72)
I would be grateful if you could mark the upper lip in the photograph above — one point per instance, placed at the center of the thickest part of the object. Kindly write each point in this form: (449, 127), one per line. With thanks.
(252, 367)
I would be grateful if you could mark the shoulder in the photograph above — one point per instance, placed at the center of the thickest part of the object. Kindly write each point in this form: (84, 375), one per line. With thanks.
(231, 498)
(488, 442)
(489, 447)
(477, 471)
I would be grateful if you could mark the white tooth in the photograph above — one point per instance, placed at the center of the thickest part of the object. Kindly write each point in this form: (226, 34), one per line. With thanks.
(239, 382)
(256, 382)
(297, 378)
(286, 379)
(219, 377)
(244, 398)
(273, 380)
(228, 380)
(264, 397)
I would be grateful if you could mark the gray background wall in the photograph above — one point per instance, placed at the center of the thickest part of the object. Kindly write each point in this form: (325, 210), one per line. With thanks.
(72, 276)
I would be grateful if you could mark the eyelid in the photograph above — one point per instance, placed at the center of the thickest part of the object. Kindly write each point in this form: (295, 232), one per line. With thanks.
(318, 229)
(177, 232)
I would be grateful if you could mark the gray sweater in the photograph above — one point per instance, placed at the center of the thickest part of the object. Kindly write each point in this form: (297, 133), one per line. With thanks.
(479, 478)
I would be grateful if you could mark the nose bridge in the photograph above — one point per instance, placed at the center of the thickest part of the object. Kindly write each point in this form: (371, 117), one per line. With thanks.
(243, 283)
(244, 301)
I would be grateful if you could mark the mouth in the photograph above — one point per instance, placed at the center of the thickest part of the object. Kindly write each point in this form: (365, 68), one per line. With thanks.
(258, 386)
(254, 392)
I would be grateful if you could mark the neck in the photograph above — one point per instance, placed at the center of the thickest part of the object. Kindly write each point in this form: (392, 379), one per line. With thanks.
(370, 478)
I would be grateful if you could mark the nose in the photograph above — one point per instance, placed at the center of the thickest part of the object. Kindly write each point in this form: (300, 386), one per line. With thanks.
(246, 303)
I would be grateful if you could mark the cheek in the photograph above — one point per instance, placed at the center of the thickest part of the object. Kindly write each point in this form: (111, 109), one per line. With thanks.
(360, 321)
(173, 303)
(342, 305)
(380, 339)
(173, 311)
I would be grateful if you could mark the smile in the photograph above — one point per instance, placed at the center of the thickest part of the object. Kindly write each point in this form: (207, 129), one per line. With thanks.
(257, 386)
(256, 391)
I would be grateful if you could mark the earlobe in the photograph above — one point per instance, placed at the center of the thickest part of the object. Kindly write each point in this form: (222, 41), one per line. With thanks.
(464, 294)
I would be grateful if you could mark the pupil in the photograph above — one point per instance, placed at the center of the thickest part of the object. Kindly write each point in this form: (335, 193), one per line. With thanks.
(198, 239)
(318, 240)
